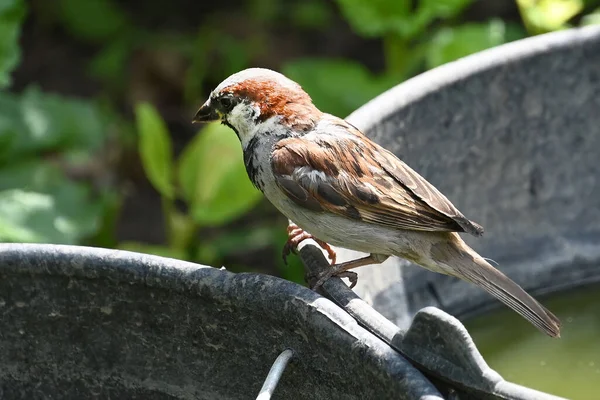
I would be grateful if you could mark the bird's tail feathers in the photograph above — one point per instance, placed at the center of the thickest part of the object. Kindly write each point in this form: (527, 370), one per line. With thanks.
(473, 268)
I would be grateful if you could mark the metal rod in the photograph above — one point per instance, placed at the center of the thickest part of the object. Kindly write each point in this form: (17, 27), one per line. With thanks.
(274, 375)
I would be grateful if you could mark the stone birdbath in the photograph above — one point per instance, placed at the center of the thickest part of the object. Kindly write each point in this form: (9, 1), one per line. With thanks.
(512, 137)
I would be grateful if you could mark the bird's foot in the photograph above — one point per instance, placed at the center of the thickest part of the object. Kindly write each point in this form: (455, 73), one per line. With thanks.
(297, 235)
(316, 281)
(342, 270)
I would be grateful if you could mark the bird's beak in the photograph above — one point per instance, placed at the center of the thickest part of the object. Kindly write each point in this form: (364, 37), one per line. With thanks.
(206, 113)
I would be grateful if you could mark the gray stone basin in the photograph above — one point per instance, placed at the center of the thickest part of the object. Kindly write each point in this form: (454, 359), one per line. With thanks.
(511, 136)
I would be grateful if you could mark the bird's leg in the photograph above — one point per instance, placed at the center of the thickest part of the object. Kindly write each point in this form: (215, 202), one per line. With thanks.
(342, 269)
(297, 235)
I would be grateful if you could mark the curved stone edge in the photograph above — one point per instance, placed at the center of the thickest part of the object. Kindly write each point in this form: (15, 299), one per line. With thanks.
(406, 94)
(260, 293)
(380, 108)
(435, 341)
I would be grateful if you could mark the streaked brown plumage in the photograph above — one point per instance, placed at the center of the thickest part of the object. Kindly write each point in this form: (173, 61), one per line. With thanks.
(334, 182)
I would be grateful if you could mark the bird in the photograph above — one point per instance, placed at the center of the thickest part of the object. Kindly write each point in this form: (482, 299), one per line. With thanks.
(342, 189)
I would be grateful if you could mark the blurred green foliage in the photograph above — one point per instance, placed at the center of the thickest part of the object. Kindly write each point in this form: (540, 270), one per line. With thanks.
(541, 16)
(204, 191)
(208, 176)
(42, 136)
(12, 13)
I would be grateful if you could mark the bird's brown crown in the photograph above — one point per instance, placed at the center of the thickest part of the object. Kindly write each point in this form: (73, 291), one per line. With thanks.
(274, 95)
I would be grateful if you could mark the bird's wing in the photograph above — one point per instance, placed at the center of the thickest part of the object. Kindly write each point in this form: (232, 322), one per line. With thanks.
(345, 173)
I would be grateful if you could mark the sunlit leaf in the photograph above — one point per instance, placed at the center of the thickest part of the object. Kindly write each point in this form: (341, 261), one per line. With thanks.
(93, 20)
(64, 216)
(39, 204)
(450, 44)
(213, 178)
(540, 16)
(155, 148)
(336, 86)
(12, 13)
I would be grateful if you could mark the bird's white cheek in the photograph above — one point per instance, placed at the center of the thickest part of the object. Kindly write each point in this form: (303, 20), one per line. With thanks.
(242, 118)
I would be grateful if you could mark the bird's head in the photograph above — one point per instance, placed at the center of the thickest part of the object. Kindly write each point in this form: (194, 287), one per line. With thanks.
(258, 101)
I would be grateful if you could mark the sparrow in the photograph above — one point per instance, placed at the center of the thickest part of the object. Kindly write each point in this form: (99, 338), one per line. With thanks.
(337, 185)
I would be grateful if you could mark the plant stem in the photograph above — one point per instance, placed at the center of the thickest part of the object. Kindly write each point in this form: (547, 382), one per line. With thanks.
(181, 228)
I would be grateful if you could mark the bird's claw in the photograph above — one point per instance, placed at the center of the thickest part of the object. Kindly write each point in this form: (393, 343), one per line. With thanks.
(316, 281)
(297, 235)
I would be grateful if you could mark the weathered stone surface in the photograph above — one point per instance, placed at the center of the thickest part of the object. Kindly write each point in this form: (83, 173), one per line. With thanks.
(92, 323)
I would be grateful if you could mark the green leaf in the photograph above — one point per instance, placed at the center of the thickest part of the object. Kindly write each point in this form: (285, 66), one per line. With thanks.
(39, 204)
(155, 148)
(541, 16)
(381, 17)
(336, 86)
(35, 122)
(213, 178)
(12, 13)
(450, 44)
(93, 20)
(65, 216)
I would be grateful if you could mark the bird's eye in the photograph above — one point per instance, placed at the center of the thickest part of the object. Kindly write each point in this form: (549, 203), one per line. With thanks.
(226, 103)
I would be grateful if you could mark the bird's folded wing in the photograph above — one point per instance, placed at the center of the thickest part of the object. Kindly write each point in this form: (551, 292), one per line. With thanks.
(353, 177)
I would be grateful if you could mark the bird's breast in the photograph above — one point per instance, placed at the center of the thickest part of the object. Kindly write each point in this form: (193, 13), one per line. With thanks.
(256, 161)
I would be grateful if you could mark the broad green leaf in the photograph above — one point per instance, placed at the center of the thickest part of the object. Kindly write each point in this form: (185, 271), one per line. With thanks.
(213, 178)
(540, 16)
(93, 20)
(12, 13)
(156, 250)
(35, 122)
(450, 44)
(336, 86)
(39, 204)
(65, 216)
(155, 148)
(400, 17)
